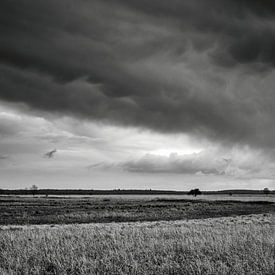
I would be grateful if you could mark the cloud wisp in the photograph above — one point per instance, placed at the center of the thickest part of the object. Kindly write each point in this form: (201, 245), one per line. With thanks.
(50, 154)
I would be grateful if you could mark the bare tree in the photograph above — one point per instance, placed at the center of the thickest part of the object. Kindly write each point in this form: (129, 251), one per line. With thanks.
(34, 189)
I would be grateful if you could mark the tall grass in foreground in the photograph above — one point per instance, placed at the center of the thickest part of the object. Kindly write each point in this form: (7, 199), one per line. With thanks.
(233, 245)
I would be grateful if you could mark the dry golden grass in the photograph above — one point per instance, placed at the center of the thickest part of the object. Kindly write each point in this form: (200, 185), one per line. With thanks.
(232, 245)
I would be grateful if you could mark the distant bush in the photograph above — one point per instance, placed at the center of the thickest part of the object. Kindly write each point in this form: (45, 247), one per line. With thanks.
(266, 191)
(195, 192)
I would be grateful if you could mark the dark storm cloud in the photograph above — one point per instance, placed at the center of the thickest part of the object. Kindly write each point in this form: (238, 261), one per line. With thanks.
(243, 30)
(124, 62)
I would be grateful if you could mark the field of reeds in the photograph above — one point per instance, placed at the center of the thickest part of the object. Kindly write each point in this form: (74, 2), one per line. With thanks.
(230, 245)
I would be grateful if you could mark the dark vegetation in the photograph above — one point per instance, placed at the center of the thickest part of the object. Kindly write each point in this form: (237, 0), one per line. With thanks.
(266, 191)
(34, 190)
(59, 210)
(194, 192)
(89, 192)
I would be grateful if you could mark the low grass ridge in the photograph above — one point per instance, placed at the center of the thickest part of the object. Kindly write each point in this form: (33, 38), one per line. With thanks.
(18, 210)
(231, 245)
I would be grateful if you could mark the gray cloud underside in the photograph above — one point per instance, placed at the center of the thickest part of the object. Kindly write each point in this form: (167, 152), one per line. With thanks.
(175, 164)
(203, 163)
(199, 67)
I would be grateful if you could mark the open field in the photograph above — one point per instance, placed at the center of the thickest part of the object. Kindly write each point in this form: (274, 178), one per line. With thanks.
(131, 235)
(208, 197)
(231, 245)
(60, 210)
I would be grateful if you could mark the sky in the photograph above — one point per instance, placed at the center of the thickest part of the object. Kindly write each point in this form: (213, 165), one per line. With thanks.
(137, 94)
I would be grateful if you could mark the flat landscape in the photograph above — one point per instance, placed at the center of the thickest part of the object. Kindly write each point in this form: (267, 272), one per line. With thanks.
(231, 245)
(131, 235)
(66, 210)
(137, 137)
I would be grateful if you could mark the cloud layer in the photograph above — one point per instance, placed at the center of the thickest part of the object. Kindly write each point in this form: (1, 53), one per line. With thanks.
(201, 67)
(91, 155)
(240, 163)
(138, 92)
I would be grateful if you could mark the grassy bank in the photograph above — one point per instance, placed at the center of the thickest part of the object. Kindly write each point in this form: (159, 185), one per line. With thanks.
(18, 210)
(232, 245)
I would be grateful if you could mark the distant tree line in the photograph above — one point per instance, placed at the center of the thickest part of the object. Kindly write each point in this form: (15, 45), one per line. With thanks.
(35, 191)
(195, 192)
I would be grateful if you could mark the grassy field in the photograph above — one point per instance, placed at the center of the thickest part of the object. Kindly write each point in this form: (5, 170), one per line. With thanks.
(231, 245)
(80, 235)
(22, 210)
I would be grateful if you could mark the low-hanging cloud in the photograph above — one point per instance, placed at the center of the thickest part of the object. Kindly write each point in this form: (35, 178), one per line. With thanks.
(238, 163)
(199, 67)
